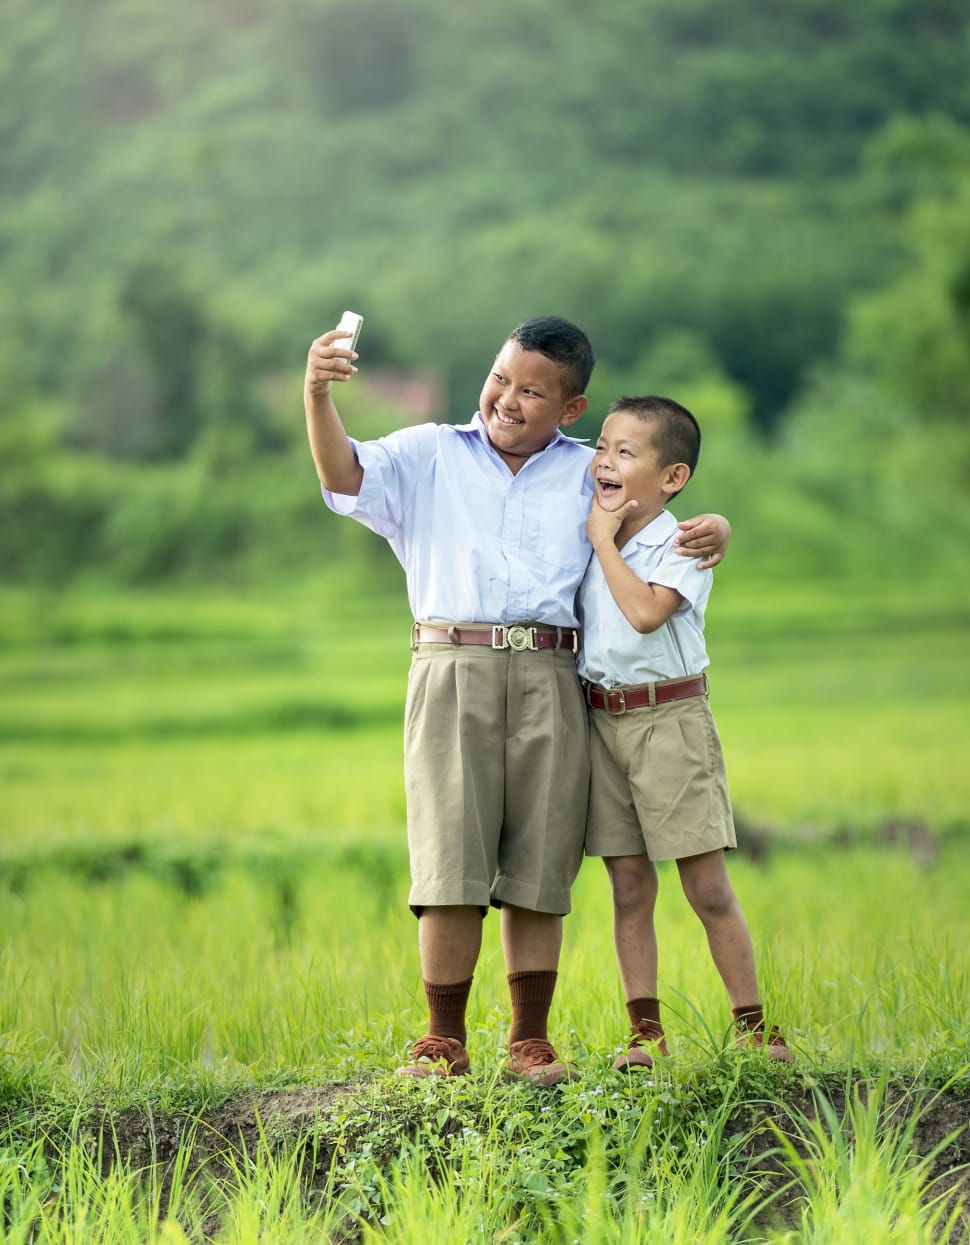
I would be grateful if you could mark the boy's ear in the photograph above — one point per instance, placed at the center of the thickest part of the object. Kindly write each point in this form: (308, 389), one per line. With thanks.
(574, 409)
(676, 476)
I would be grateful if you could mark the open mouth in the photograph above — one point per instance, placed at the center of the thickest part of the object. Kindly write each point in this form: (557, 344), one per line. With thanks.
(507, 420)
(608, 487)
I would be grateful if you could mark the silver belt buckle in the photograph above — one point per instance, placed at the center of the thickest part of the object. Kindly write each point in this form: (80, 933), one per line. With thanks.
(621, 701)
(520, 638)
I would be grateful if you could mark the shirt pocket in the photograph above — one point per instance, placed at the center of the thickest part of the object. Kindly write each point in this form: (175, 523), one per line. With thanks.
(562, 542)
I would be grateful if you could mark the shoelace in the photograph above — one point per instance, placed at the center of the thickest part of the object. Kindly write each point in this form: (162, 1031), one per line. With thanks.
(763, 1036)
(434, 1048)
(536, 1051)
(647, 1032)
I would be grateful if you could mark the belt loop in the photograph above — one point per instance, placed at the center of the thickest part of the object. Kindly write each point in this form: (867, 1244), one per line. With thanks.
(558, 638)
(652, 693)
(452, 636)
(414, 637)
(707, 686)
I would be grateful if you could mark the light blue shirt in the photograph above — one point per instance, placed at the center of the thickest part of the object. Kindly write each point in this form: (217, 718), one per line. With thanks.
(614, 653)
(477, 543)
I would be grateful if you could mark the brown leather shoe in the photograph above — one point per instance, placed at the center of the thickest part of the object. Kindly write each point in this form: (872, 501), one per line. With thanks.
(436, 1056)
(768, 1040)
(647, 1043)
(535, 1059)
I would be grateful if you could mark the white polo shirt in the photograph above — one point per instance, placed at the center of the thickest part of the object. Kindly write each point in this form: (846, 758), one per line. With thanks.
(614, 653)
(477, 543)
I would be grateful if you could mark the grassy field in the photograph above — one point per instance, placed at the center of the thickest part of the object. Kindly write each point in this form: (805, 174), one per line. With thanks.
(207, 967)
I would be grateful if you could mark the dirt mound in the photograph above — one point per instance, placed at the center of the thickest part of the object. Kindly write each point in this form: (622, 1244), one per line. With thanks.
(286, 1120)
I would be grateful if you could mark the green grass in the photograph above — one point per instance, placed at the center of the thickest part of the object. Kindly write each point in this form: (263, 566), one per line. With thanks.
(203, 886)
(272, 967)
(196, 714)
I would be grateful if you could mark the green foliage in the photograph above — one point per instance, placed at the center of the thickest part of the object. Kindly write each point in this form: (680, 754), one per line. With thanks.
(219, 164)
(772, 227)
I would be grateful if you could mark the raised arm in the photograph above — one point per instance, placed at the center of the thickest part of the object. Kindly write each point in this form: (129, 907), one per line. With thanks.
(706, 536)
(330, 360)
(645, 606)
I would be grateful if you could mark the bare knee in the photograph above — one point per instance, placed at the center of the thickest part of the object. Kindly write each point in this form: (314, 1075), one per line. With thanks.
(633, 881)
(708, 888)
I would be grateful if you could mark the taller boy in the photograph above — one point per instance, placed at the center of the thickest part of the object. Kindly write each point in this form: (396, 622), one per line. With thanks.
(488, 520)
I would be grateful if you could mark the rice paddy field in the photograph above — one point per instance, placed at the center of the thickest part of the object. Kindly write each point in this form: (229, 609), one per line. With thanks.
(208, 971)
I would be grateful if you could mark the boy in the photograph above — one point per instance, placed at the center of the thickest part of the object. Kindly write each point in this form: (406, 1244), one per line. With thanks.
(488, 520)
(658, 787)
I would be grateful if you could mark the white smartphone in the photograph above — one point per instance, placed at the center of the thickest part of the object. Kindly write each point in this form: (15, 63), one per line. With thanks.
(351, 322)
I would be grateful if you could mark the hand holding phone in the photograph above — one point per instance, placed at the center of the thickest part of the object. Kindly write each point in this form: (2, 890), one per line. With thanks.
(350, 322)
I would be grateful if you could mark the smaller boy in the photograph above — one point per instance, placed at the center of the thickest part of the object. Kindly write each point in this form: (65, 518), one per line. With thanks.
(658, 786)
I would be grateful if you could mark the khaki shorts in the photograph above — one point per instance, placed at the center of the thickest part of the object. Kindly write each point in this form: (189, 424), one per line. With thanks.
(496, 768)
(657, 782)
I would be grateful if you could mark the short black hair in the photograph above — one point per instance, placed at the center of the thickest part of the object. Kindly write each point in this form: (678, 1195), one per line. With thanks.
(675, 433)
(563, 343)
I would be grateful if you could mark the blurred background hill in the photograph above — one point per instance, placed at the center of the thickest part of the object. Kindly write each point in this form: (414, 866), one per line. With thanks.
(763, 210)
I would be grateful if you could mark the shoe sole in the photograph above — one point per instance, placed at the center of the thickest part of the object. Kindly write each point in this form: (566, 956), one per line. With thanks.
(780, 1053)
(420, 1074)
(545, 1075)
(623, 1064)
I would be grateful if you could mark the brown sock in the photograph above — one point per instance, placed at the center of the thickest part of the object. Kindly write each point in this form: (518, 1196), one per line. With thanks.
(644, 1009)
(531, 997)
(749, 1017)
(446, 1009)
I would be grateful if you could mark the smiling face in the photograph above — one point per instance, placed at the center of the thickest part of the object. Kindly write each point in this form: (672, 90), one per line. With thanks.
(627, 467)
(522, 403)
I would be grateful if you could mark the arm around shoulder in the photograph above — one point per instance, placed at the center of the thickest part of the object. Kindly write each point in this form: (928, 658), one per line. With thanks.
(706, 537)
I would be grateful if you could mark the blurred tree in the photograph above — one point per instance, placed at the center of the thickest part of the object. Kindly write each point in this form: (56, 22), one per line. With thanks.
(171, 332)
(176, 369)
(192, 189)
(913, 337)
(363, 57)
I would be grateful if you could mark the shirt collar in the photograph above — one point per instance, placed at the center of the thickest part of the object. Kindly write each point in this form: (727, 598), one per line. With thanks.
(657, 530)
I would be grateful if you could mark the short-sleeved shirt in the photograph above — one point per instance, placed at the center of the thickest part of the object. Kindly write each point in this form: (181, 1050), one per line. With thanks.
(477, 542)
(502, 821)
(614, 653)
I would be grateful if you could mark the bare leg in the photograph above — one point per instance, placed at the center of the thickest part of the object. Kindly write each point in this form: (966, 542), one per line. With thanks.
(710, 894)
(449, 941)
(531, 941)
(633, 880)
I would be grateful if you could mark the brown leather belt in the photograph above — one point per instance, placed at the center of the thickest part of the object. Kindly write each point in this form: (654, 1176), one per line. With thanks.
(618, 700)
(519, 637)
